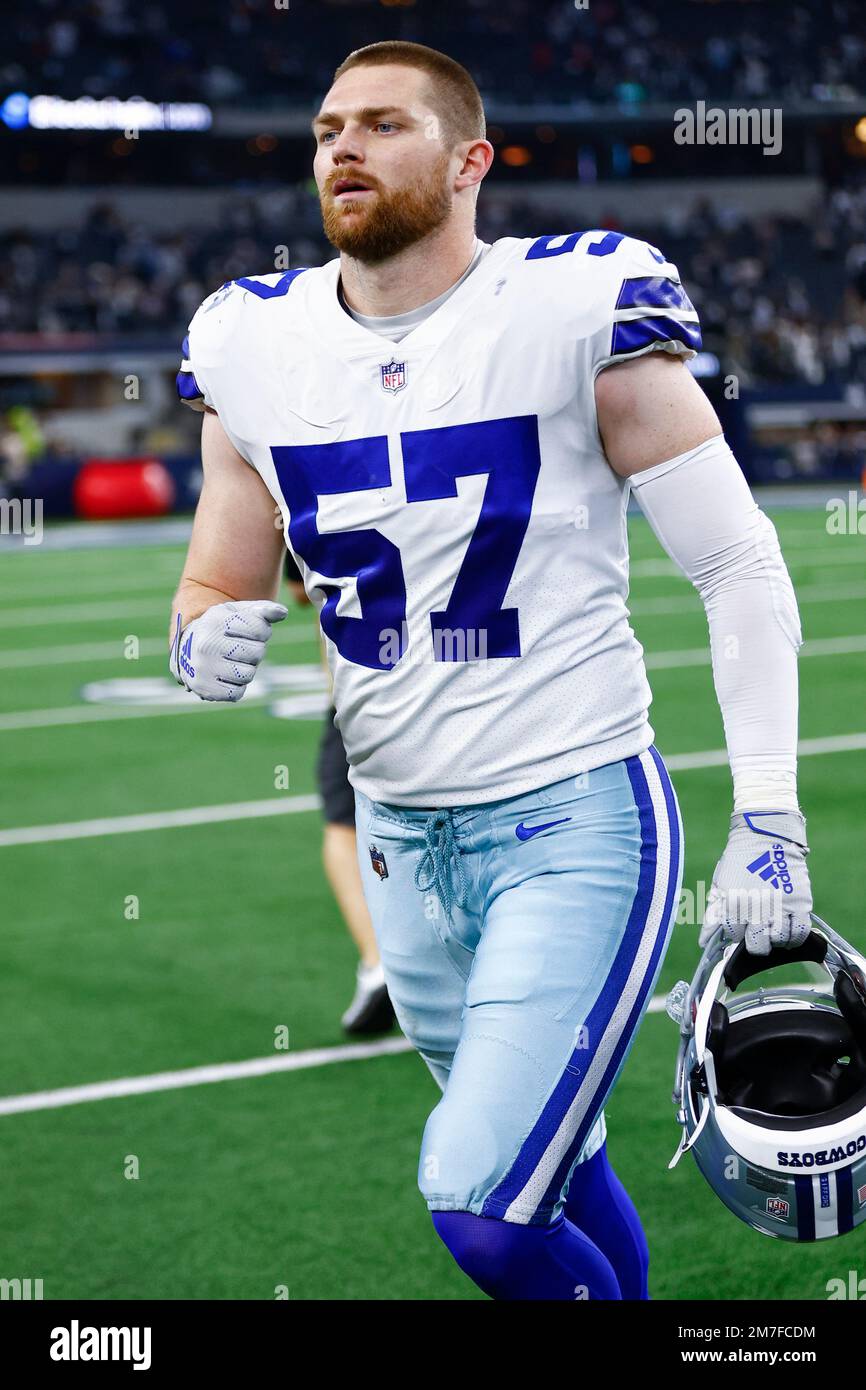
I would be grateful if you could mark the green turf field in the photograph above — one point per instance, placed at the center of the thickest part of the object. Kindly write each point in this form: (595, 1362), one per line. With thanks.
(305, 1179)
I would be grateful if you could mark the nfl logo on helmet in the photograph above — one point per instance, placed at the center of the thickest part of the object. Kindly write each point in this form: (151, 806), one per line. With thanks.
(393, 375)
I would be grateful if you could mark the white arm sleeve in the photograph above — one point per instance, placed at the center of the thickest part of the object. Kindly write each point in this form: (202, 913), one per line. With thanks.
(700, 508)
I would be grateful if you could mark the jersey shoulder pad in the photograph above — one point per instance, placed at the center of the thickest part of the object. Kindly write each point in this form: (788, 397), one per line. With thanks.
(219, 324)
(617, 295)
(210, 329)
(645, 307)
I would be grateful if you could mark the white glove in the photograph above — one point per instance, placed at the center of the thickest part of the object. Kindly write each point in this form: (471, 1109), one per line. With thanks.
(215, 656)
(760, 889)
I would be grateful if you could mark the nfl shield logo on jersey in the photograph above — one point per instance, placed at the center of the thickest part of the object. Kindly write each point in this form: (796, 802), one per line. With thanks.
(377, 859)
(393, 375)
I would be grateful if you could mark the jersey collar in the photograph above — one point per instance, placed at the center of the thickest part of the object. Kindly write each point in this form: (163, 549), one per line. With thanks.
(352, 340)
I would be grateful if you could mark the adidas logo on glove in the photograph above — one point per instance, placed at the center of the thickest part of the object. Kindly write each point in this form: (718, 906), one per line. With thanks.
(772, 867)
(185, 657)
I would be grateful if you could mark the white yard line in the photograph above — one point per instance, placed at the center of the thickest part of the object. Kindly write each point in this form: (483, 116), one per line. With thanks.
(107, 535)
(83, 653)
(50, 614)
(200, 1076)
(47, 614)
(218, 1071)
(157, 820)
(797, 536)
(299, 1061)
(85, 585)
(807, 747)
(78, 654)
(43, 590)
(806, 593)
(700, 656)
(97, 714)
(275, 806)
(812, 559)
(821, 559)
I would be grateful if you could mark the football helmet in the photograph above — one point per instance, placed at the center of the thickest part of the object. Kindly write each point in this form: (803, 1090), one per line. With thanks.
(770, 1085)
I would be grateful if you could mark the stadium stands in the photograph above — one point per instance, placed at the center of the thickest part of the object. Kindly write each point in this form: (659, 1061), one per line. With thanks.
(781, 299)
(602, 51)
(109, 243)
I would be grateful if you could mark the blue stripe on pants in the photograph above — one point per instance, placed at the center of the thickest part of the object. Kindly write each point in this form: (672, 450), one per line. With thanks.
(599, 1021)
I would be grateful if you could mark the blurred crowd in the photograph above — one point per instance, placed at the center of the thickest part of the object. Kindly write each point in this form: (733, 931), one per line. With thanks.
(780, 299)
(267, 51)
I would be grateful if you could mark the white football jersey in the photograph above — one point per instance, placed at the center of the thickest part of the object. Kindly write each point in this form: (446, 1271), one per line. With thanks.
(449, 504)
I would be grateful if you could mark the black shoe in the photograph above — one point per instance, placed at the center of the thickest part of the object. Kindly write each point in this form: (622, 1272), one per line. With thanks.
(370, 1011)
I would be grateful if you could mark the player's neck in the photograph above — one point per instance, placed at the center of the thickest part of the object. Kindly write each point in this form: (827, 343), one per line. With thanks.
(420, 273)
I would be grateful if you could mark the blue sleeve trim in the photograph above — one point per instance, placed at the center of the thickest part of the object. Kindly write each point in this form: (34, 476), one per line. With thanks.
(188, 387)
(272, 291)
(654, 292)
(634, 334)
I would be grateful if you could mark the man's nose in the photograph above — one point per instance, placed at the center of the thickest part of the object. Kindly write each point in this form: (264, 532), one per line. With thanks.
(346, 146)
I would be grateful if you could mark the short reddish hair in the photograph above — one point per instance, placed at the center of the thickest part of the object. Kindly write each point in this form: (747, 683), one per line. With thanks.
(453, 93)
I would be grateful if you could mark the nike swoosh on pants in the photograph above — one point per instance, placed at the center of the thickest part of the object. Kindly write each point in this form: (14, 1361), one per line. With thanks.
(526, 832)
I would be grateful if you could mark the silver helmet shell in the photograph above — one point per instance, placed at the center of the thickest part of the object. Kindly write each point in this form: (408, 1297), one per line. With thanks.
(770, 1086)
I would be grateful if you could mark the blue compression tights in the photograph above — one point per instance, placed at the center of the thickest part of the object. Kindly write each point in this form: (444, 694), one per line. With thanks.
(595, 1249)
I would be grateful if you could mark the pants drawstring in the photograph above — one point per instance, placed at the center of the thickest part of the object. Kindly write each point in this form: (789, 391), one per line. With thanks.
(441, 855)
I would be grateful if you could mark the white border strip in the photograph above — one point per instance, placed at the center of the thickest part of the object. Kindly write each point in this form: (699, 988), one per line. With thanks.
(84, 653)
(199, 1076)
(158, 820)
(273, 806)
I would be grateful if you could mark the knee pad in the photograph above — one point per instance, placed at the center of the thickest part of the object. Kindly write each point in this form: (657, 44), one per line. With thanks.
(460, 1160)
(483, 1247)
(510, 1261)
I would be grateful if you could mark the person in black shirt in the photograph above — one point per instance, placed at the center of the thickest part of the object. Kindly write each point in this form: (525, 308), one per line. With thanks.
(370, 1010)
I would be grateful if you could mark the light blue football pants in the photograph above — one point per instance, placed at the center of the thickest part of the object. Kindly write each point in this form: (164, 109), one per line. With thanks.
(521, 941)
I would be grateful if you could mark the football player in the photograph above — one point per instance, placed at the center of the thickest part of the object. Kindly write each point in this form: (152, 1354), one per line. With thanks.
(451, 431)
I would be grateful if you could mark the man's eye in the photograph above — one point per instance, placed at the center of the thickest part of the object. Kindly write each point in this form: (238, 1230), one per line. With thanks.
(385, 125)
(325, 137)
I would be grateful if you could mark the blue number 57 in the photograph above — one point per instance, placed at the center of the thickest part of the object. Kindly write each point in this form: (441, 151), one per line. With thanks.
(507, 451)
